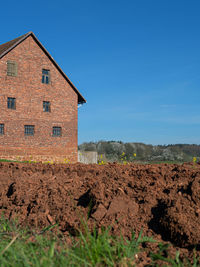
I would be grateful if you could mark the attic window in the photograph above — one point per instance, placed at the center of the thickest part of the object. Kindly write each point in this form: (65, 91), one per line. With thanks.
(46, 76)
(11, 68)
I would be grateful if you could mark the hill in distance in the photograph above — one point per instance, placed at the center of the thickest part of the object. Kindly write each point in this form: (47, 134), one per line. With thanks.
(117, 151)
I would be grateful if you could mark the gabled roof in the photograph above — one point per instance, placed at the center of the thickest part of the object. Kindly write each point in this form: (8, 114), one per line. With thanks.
(7, 47)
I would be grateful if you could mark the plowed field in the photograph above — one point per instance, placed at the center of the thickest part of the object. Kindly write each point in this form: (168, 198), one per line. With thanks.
(163, 200)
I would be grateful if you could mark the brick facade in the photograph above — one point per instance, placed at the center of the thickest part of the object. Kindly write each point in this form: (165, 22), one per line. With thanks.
(30, 92)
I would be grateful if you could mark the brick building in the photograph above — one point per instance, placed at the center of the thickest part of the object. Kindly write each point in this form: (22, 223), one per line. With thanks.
(38, 104)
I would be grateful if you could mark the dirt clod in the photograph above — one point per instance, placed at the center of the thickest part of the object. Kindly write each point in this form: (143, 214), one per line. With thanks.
(163, 200)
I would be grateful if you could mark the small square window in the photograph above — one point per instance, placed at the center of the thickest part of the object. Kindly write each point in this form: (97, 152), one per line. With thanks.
(1, 129)
(57, 131)
(46, 76)
(29, 130)
(46, 106)
(11, 68)
(11, 103)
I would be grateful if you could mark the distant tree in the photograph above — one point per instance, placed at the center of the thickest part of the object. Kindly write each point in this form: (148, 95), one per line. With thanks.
(114, 149)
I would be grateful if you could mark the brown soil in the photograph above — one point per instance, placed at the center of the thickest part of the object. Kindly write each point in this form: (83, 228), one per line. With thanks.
(163, 200)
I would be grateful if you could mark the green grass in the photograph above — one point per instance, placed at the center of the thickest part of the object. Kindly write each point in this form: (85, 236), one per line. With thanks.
(7, 160)
(104, 162)
(12, 160)
(25, 247)
(166, 162)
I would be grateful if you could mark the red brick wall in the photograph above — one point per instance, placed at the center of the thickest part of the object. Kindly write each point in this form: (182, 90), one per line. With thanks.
(30, 93)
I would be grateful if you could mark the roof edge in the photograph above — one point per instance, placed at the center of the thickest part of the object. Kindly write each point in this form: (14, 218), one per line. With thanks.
(81, 99)
(23, 37)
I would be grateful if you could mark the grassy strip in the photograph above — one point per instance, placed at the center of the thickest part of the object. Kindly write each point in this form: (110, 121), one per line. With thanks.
(23, 247)
(102, 162)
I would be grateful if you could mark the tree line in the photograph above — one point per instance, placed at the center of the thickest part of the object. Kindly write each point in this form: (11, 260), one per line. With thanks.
(117, 151)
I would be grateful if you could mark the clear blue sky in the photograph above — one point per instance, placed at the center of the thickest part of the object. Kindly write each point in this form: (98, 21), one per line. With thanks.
(137, 62)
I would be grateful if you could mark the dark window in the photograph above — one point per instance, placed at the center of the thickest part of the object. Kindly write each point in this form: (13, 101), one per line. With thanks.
(11, 68)
(29, 129)
(46, 106)
(11, 101)
(46, 76)
(56, 131)
(1, 129)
